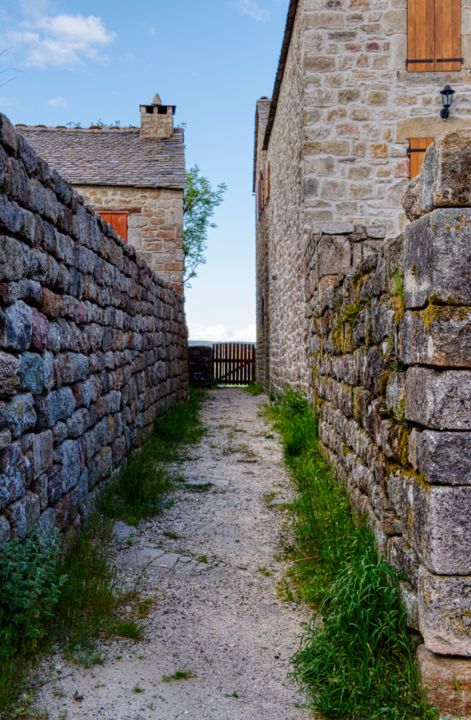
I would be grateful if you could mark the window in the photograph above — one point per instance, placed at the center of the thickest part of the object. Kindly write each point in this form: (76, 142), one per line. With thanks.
(417, 148)
(118, 219)
(433, 35)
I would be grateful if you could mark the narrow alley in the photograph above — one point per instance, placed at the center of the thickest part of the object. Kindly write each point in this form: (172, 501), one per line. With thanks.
(218, 640)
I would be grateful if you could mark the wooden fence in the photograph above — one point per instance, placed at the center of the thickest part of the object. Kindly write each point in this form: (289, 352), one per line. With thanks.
(234, 363)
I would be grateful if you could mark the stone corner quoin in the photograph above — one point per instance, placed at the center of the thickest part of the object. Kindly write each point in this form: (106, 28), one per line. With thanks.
(93, 347)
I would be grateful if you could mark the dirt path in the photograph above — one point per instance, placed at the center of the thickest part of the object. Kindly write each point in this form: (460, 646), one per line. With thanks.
(216, 612)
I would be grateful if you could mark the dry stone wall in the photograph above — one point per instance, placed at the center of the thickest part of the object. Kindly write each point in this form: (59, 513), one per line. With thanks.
(390, 351)
(92, 347)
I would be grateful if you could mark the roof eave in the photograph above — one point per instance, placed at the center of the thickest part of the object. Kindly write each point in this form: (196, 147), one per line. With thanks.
(291, 17)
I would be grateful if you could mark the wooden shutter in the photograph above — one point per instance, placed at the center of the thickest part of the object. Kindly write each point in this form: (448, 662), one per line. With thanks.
(118, 220)
(421, 35)
(433, 35)
(447, 35)
(417, 148)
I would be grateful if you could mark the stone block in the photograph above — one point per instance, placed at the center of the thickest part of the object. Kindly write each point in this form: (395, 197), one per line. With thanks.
(438, 335)
(32, 372)
(334, 255)
(447, 682)
(13, 470)
(8, 136)
(5, 530)
(68, 455)
(437, 259)
(439, 400)
(9, 374)
(443, 458)
(23, 514)
(43, 455)
(444, 612)
(437, 520)
(46, 523)
(18, 414)
(57, 405)
(445, 180)
(16, 326)
(15, 257)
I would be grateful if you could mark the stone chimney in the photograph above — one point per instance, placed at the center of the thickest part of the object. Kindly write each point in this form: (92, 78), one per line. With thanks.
(157, 119)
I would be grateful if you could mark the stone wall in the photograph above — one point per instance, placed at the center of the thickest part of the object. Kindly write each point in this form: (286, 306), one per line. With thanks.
(92, 346)
(200, 365)
(390, 354)
(362, 106)
(155, 224)
(280, 263)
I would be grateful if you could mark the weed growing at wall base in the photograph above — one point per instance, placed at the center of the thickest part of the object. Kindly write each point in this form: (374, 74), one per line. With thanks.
(140, 489)
(356, 660)
(71, 598)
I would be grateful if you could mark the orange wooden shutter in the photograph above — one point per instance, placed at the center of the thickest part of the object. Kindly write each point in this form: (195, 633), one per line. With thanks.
(417, 148)
(118, 221)
(421, 35)
(433, 35)
(447, 35)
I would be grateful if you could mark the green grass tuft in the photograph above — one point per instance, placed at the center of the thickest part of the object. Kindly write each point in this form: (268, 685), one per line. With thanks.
(356, 659)
(140, 489)
(179, 675)
(49, 595)
(254, 389)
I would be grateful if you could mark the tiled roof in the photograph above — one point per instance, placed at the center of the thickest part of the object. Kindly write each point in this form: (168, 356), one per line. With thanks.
(118, 156)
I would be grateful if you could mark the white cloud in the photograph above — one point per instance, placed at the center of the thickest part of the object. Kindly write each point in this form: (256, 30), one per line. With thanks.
(60, 40)
(34, 8)
(56, 102)
(252, 9)
(220, 333)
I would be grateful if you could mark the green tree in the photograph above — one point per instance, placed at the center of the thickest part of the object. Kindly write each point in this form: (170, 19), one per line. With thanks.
(200, 200)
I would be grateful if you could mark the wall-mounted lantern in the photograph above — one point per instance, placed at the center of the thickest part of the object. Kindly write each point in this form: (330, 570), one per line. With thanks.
(447, 100)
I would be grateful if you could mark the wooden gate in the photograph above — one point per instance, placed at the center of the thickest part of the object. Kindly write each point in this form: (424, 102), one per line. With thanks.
(233, 363)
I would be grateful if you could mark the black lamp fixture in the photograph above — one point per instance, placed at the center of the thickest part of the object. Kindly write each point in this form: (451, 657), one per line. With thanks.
(447, 100)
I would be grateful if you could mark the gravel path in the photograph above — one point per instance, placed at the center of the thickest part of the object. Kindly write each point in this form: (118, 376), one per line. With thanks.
(209, 566)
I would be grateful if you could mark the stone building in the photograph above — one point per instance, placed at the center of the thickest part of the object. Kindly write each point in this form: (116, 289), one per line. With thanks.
(370, 313)
(134, 177)
(351, 114)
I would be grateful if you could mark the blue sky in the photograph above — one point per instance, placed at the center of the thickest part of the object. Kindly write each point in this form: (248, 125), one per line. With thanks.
(82, 61)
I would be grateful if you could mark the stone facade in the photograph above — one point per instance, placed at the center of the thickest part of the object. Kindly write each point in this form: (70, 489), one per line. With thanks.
(93, 347)
(336, 136)
(134, 176)
(155, 224)
(373, 324)
(200, 364)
